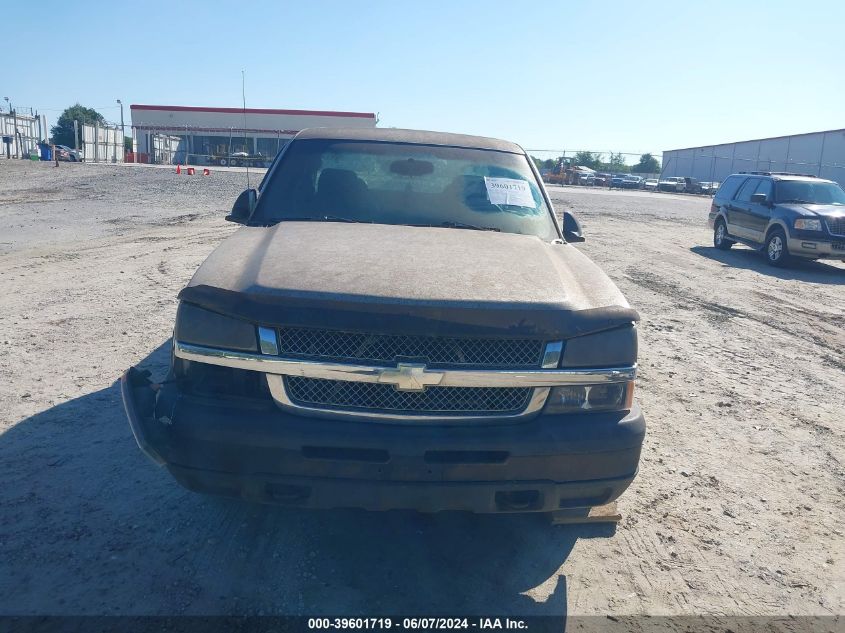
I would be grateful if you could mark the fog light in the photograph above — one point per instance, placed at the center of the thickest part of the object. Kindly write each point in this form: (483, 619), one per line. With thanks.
(586, 398)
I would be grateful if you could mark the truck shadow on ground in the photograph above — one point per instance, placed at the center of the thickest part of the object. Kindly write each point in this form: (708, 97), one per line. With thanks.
(803, 270)
(90, 526)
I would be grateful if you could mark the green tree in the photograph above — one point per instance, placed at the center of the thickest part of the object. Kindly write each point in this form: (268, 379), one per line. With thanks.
(548, 163)
(63, 130)
(648, 165)
(588, 159)
(127, 143)
(617, 163)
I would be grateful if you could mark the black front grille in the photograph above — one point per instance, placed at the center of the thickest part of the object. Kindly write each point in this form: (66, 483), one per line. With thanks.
(836, 225)
(368, 396)
(434, 351)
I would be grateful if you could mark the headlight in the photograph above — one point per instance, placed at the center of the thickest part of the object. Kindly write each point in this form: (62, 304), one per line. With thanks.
(808, 225)
(202, 327)
(587, 398)
(608, 348)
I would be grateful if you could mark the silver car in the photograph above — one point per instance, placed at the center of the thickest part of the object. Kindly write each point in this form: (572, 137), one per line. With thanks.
(69, 154)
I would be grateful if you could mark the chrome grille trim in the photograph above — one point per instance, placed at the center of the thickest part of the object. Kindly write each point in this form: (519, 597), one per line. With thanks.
(366, 373)
(386, 349)
(275, 368)
(276, 383)
(552, 354)
(366, 396)
(267, 343)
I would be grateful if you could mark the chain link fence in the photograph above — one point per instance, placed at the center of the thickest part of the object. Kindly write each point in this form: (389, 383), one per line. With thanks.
(630, 160)
(21, 134)
(102, 144)
(204, 146)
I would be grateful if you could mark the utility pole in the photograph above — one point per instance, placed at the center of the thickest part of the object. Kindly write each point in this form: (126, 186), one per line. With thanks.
(17, 135)
(122, 128)
(14, 128)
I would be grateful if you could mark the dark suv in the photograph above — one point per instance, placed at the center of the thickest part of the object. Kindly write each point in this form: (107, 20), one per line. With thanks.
(784, 215)
(691, 185)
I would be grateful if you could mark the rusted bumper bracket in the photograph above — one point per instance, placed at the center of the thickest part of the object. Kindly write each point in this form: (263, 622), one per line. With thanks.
(607, 513)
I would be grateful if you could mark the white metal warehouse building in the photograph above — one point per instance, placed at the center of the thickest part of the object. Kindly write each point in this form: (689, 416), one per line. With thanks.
(818, 153)
(170, 134)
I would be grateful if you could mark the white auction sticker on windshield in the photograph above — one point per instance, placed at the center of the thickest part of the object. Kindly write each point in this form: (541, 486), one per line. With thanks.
(509, 191)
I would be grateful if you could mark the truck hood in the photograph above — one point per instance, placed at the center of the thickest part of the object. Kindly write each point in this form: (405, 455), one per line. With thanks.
(821, 210)
(417, 280)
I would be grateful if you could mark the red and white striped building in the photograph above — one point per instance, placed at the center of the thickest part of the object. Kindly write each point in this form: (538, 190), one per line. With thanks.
(208, 135)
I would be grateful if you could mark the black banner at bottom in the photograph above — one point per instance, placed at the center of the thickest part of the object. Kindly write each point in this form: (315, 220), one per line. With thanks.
(403, 623)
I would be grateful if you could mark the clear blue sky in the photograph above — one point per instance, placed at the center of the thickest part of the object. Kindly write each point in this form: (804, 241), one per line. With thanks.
(622, 76)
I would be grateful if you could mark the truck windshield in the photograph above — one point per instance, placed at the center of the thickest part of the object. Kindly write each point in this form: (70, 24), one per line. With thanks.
(403, 183)
(809, 192)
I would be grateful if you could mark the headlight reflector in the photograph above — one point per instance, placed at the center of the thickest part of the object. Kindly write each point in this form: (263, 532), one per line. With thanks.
(805, 224)
(586, 398)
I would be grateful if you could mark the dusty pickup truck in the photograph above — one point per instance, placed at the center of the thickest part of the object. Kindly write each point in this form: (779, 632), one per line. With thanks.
(401, 322)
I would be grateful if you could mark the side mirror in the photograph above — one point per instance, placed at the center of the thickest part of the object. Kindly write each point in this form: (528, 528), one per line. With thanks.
(759, 198)
(571, 228)
(243, 207)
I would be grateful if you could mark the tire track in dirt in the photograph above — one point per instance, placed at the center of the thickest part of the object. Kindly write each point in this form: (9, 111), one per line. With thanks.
(720, 312)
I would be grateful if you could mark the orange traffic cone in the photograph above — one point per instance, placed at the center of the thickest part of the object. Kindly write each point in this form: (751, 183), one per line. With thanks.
(178, 168)
(205, 172)
(190, 171)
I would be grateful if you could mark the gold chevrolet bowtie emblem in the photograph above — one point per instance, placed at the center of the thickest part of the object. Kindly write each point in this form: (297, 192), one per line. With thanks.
(409, 377)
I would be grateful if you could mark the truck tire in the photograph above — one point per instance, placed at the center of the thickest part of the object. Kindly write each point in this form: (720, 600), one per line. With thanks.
(777, 253)
(223, 162)
(720, 236)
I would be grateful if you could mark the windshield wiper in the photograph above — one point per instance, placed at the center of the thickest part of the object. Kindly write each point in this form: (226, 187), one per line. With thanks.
(461, 225)
(798, 201)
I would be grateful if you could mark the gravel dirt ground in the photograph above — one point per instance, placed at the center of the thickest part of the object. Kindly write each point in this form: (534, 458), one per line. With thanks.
(737, 509)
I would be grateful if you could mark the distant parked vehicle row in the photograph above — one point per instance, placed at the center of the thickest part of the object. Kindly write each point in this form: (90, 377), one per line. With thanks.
(673, 184)
(568, 174)
(686, 184)
(691, 185)
(586, 178)
(627, 181)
